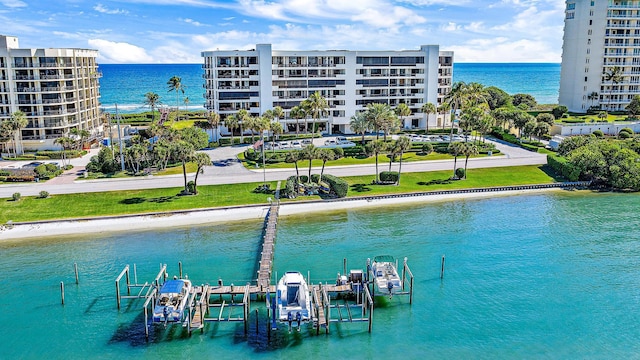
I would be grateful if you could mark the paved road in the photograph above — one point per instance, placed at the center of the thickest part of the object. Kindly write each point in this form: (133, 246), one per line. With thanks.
(234, 172)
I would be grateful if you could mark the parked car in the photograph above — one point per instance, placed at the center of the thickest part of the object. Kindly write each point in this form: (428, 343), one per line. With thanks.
(296, 144)
(330, 142)
(307, 142)
(33, 164)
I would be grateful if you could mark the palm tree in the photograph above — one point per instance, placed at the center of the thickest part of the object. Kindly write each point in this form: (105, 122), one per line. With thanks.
(402, 145)
(468, 149)
(614, 75)
(403, 110)
(231, 122)
(309, 153)
(593, 96)
(186, 102)
(455, 149)
(183, 151)
(376, 147)
(213, 118)
(17, 122)
(427, 109)
(325, 155)
(65, 143)
(152, 100)
(175, 84)
(278, 113)
(243, 116)
(81, 134)
(360, 124)
(297, 112)
(201, 159)
(251, 123)
(317, 107)
(378, 115)
(293, 157)
(276, 129)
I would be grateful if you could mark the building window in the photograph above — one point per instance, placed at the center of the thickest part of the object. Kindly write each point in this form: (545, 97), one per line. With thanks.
(570, 15)
(585, 79)
(588, 51)
(591, 13)
(593, 2)
(588, 41)
(571, 6)
(590, 22)
(589, 32)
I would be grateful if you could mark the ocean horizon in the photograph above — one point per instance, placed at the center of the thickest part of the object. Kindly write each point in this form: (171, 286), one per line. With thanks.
(126, 84)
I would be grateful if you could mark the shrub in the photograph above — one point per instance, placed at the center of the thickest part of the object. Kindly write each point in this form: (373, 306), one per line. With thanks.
(561, 166)
(20, 178)
(3, 178)
(460, 173)
(337, 185)
(16, 196)
(426, 149)
(304, 179)
(315, 178)
(629, 130)
(389, 176)
(624, 135)
(43, 194)
(529, 147)
(191, 186)
(51, 154)
(598, 133)
(290, 187)
(353, 151)
(4, 173)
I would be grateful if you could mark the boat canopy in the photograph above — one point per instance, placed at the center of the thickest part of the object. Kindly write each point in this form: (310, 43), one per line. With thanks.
(172, 286)
(384, 258)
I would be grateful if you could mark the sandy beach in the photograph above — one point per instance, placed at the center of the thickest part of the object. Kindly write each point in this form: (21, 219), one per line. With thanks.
(126, 223)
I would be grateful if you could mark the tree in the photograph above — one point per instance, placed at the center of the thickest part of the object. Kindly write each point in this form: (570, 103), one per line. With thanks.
(183, 151)
(546, 118)
(614, 75)
(66, 143)
(152, 100)
(186, 102)
(455, 149)
(325, 155)
(376, 147)
(243, 116)
(541, 129)
(444, 109)
(526, 99)
(360, 124)
(634, 106)
(278, 113)
(250, 123)
(297, 113)
(497, 98)
(380, 116)
(16, 123)
(231, 122)
(317, 105)
(293, 157)
(468, 149)
(175, 84)
(201, 159)
(276, 129)
(196, 137)
(5, 134)
(402, 110)
(520, 119)
(602, 115)
(558, 111)
(308, 153)
(428, 108)
(80, 136)
(213, 118)
(402, 145)
(592, 97)
(529, 128)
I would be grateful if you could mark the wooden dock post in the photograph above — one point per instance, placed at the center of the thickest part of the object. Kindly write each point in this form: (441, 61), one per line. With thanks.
(62, 291)
(344, 266)
(442, 268)
(404, 275)
(135, 274)
(75, 268)
(180, 269)
(257, 322)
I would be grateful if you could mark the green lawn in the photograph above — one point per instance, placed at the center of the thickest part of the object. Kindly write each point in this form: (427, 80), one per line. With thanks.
(157, 200)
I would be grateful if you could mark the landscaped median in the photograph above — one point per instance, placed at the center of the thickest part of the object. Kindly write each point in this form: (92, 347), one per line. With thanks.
(166, 200)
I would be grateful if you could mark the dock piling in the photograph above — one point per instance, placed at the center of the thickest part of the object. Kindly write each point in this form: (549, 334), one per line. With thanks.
(75, 268)
(442, 268)
(62, 291)
(180, 269)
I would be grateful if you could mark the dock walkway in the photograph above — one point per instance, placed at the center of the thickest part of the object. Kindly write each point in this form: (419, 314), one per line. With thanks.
(268, 244)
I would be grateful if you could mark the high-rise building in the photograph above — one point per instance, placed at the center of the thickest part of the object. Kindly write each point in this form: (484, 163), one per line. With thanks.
(261, 79)
(600, 54)
(56, 89)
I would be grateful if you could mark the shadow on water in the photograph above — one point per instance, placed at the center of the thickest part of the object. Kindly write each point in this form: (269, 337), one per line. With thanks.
(261, 340)
(133, 333)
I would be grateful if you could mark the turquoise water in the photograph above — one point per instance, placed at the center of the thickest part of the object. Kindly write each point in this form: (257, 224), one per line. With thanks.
(536, 276)
(126, 84)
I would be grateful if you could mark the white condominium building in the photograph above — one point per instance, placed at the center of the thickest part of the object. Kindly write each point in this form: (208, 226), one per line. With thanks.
(600, 37)
(57, 90)
(261, 79)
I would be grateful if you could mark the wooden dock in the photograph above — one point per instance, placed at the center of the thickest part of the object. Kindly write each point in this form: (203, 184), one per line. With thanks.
(268, 245)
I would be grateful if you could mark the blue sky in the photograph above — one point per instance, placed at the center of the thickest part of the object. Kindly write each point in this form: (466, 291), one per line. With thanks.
(176, 31)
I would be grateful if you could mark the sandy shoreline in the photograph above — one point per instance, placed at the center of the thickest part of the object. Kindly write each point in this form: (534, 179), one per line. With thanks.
(116, 224)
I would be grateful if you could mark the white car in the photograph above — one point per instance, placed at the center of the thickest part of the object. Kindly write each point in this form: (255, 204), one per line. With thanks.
(296, 144)
(330, 142)
(284, 145)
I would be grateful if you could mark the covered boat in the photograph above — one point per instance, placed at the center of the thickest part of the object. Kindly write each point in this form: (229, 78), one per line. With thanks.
(293, 299)
(385, 274)
(172, 300)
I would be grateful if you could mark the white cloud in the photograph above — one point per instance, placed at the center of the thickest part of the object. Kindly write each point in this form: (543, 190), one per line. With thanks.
(102, 9)
(451, 27)
(120, 52)
(13, 3)
(505, 50)
(192, 22)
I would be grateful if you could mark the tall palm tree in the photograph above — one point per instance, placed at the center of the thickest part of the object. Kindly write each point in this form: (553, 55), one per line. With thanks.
(242, 116)
(376, 147)
(175, 84)
(428, 108)
(251, 123)
(614, 75)
(182, 151)
(444, 108)
(593, 96)
(201, 159)
(378, 115)
(231, 122)
(293, 157)
(278, 113)
(186, 102)
(325, 155)
(455, 149)
(309, 153)
(402, 110)
(17, 122)
(402, 145)
(276, 129)
(455, 99)
(468, 149)
(152, 100)
(65, 143)
(360, 124)
(317, 107)
(297, 112)
(213, 118)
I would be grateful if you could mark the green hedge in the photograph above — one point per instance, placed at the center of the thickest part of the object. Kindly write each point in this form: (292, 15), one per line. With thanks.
(290, 187)
(51, 154)
(354, 151)
(338, 185)
(529, 147)
(389, 176)
(563, 167)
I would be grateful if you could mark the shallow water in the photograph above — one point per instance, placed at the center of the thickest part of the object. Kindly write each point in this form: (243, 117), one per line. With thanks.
(535, 276)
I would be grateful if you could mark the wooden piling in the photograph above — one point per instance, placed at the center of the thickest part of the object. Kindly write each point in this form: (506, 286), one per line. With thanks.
(75, 268)
(118, 293)
(62, 291)
(442, 268)
(257, 322)
(180, 269)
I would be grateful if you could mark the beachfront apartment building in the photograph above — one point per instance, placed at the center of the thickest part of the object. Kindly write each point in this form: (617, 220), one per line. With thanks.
(262, 78)
(57, 90)
(600, 36)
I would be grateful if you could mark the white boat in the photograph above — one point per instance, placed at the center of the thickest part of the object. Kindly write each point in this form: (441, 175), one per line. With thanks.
(385, 275)
(172, 299)
(293, 299)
